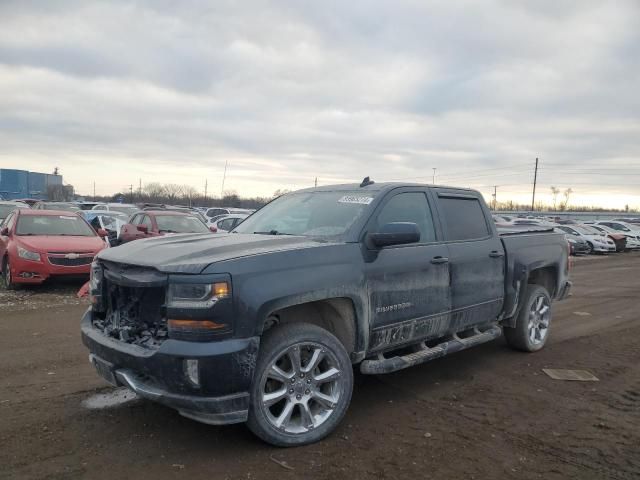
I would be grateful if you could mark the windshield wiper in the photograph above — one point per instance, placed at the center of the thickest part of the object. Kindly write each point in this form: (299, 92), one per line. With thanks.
(272, 232)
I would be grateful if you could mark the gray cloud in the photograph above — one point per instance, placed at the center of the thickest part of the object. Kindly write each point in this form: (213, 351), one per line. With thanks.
(292, 90)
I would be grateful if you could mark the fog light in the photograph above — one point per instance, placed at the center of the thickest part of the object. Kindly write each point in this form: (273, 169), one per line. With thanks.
(191, 371)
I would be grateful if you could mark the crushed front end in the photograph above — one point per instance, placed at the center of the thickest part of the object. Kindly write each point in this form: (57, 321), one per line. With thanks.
(170, 339)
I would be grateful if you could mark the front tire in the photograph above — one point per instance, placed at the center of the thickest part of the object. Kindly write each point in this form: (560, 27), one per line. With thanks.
(591, 249)
(7, 279)
(531, 331)
(302, 385)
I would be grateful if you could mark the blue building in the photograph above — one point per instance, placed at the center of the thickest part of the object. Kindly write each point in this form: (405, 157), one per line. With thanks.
(24, 184)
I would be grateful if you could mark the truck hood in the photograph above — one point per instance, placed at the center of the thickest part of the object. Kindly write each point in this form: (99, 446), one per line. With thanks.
(193, 252)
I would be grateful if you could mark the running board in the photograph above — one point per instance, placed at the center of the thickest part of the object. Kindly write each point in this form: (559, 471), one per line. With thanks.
(425, 354)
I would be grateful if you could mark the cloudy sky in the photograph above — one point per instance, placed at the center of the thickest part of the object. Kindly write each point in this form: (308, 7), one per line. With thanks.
(115, 92)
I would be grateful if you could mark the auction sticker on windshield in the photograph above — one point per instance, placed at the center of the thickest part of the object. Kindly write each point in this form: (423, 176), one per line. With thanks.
(354, 199)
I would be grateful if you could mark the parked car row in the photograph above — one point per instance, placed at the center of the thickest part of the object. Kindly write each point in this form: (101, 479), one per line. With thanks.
(50, 239)
(589, 237)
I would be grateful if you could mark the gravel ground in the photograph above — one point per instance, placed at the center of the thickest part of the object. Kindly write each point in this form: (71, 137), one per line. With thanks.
(52, 294)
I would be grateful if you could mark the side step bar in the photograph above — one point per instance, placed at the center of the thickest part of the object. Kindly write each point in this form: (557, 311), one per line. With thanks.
(425, 354)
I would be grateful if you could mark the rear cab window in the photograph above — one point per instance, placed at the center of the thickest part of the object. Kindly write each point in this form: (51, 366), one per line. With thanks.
(463, 217)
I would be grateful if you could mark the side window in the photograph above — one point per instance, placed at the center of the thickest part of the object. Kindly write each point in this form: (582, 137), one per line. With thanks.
(8, 222)
(147, 221)
(95, 223)
(135, 219)
(409, 207)
(464, 218)
(226, 224)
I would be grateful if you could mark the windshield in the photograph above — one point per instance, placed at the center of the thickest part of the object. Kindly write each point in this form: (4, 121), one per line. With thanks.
(5, 210)
(114, 221)
(124, 209)
(60, 206)
(180, 224)
(619, 227)
(68, 225)
(308, 213)
(587, 230)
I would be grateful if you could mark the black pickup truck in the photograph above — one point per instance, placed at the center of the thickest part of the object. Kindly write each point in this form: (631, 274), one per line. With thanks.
(264, 324)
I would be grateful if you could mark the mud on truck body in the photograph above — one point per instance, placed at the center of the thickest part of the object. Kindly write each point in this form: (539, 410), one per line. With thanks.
(265, 324)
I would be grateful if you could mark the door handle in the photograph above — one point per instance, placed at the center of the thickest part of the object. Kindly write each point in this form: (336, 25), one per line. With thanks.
(439, 260)
(496, 254)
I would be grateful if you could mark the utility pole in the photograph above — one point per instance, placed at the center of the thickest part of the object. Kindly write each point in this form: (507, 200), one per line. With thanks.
(434, 176)
(535, 180)
(495, 197)
(224, 176)
(131, 192)
(316, 183)
(139, 188)
(94, 189)
(206, 184)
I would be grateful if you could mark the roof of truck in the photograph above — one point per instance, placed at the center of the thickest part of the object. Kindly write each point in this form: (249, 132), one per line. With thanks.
(375, 187)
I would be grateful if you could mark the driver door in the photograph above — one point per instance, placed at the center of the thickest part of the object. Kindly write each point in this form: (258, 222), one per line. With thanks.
(408, 285)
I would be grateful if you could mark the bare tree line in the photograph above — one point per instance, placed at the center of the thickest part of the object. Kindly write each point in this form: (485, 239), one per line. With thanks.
(180, 194)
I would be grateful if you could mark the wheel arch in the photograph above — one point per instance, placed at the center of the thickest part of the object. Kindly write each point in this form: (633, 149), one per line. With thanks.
(340, 315)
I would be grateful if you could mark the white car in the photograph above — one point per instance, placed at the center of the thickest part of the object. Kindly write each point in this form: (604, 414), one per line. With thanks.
(218, 211)
(227, 223)
(126, 208)
(598, 243)
(621, 227)
(633, 241)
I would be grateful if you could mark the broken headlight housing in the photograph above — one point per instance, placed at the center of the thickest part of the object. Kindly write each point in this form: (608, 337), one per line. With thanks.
(96, 275)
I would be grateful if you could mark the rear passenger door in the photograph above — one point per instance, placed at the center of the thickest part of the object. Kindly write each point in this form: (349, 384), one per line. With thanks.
(408, 285)
(476, 257)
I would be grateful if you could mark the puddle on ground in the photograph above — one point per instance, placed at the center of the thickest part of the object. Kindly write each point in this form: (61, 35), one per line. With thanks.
(114, 398)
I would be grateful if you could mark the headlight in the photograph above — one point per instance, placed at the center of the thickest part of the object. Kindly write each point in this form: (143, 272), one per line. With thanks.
(572, 241)
(28, 255)
(196, 295)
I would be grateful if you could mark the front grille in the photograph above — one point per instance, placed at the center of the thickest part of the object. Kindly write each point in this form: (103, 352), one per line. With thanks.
(70, 262)
(135, 315)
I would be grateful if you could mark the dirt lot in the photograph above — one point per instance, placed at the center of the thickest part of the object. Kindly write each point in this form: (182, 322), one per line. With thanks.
(488, 412)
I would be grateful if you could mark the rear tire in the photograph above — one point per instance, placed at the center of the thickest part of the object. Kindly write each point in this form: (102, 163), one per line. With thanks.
(7, 279)
(590, 252)
(531, 331)
(302, 385)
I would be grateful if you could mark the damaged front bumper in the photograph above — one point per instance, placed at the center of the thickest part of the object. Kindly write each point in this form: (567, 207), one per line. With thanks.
(224, 373)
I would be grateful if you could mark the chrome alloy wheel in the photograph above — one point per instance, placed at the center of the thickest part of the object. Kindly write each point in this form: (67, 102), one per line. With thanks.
(539, 318)
(301, 388)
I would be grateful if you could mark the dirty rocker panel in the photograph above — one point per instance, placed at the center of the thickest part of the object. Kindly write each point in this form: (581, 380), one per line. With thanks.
(432, 326)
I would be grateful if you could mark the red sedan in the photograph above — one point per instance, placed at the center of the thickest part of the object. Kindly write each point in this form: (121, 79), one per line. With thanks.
(38, 244)
(154, 223)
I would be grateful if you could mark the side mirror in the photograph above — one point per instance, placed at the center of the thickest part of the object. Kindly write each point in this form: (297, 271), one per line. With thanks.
(143, 228)
(102, 233)
(213, 229)
(396, 233)
(4, 231)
